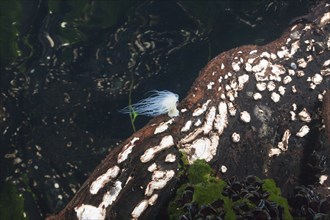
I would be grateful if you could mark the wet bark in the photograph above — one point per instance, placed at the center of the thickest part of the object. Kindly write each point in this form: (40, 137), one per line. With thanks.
(253, 110)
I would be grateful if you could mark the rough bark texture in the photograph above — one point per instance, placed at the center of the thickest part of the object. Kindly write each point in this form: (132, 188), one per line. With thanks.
(253, 110)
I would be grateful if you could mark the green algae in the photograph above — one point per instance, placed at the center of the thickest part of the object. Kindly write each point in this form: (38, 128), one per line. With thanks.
(207, 189)
(269, 185)
(11, 203)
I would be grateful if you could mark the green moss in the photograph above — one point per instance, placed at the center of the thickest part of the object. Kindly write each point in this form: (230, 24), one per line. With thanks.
(11, 203)
(207, 189)
(208, 192)
(199, 172)
(269, 185)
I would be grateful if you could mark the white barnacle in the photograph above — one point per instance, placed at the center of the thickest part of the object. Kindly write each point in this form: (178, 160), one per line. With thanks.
(163, 126)
(275, 97)
(86, 211)
(271, 86)
(210, 85)
(257, 96)
(223, 169)
(242, 80)
(317, 79)
(170, 158)
(236, 66)
(274, 152)
(127, 149)
(165, 143)
(187, 126)
(304, 115)
(104, 179)
(221, 119)
(284, 144)
(281, 90)
(160, 102)
(287, 79)
(261, 86)
(159, 181)
(303, 131)
(210, 116)
(235, 137)
(245, 116)
(202, 109)
(140, 208)
(111, 195)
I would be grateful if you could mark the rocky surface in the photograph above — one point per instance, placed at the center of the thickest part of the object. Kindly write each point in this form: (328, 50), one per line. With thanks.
(253, 110)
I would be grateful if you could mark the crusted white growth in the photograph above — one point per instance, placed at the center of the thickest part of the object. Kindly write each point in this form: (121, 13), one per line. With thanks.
(274, 152)
(163, 126)
(245, 116)
(317, 79)
(235, 137)
(198, 123)
(275, 97)
(86, 212)
(210, 116)
(304, 115)
(187, 126)
(160, 102)
(284, 144)
(322, 179)
(140, 208)
(104, 179)
(236, 66)
(325, 19)
(221, 119)
(152, 167)
(202, 148)
(287, 79)
(232, 109)
(303, 131)
(159, 180)
(281, 90)
(223, 169)
(143, 205)
(111, 195)
(261, 86)
(257, 96)
(210, 85)
(271, 86)
(202, 109)
(127, 149)
(242, 80)
(166, 142)
(170, 158)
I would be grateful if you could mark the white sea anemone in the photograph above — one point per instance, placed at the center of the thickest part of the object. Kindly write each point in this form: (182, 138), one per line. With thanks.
(158, 103)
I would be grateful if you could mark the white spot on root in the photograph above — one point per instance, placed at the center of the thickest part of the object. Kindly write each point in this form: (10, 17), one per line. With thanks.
(202, 109)
(223, 169)
(186, 127)
(202, 148)
(127, 149)
(86, 212)
(274, 152)
(163, 126)
(303, 131)
(221, 119)
(159, 181)
(165, 143)
(104, 179)
(304, 115)
(170, 158)
(235, 137)
(275, 97)
(245, 116)
(284, 144)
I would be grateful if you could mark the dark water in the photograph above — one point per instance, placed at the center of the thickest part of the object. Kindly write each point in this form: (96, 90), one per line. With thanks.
(67, 67)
